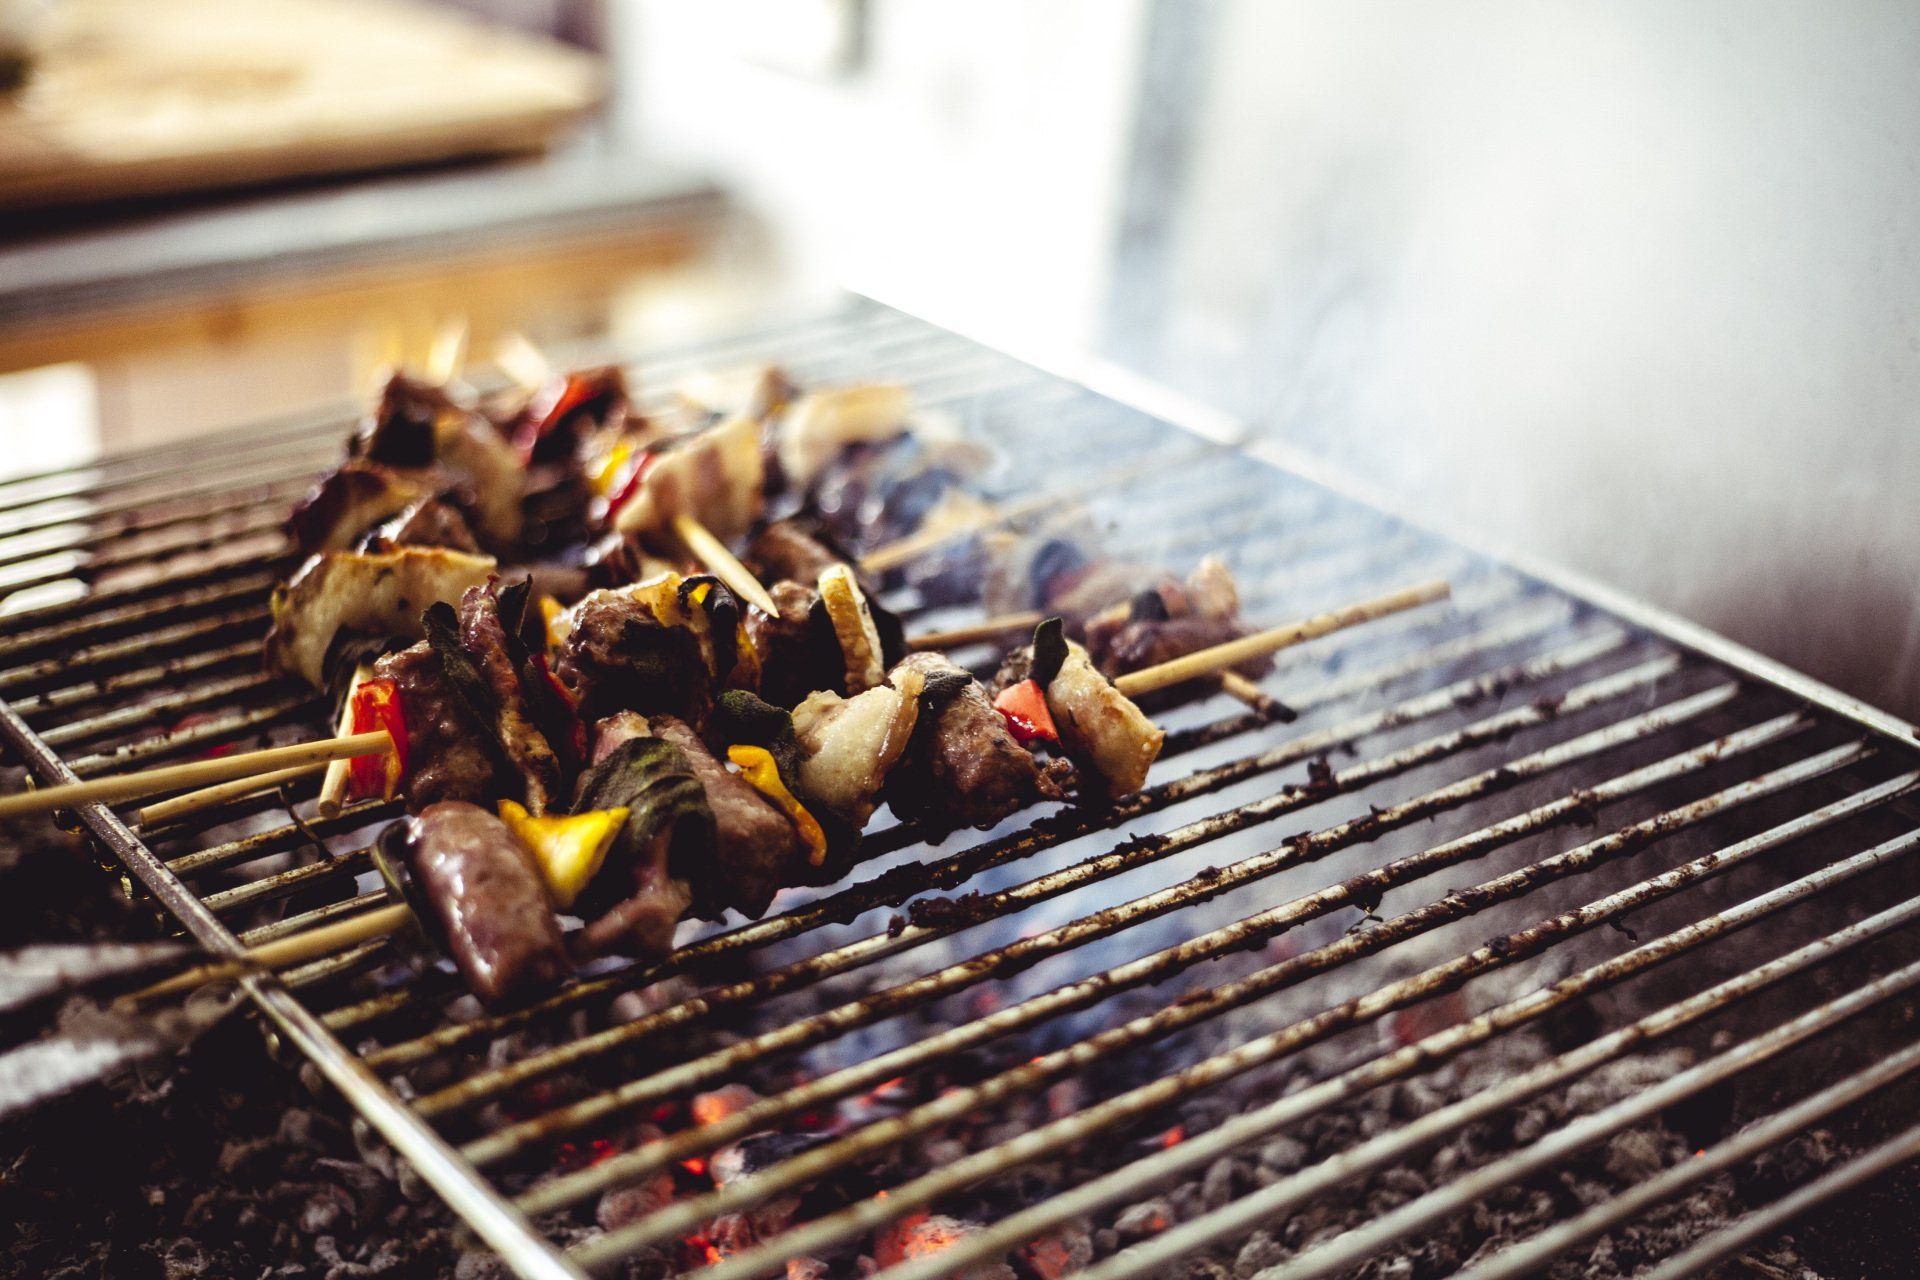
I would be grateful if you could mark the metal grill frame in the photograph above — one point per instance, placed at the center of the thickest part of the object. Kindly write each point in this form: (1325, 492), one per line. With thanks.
(454, 1171)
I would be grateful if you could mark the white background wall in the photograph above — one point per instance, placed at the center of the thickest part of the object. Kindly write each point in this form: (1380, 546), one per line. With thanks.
(1631, 283)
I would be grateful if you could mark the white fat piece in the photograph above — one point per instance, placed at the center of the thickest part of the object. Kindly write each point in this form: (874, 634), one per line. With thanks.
(1101, 725)
(851, 744)
(718, 477)
(381, 594)
(821, 423)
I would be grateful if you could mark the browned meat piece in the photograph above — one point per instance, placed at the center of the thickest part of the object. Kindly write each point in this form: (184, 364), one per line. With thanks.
(430, 522)
(399, 431)
(1170, 619)
(621, 726)
(963, 768)
(797, 654)
(491, 905)
(347, 502)
(485, 639)
(448, 756)
(418, 430)
(786, 549)
(618, 657)
(634, 904)
(756, 851)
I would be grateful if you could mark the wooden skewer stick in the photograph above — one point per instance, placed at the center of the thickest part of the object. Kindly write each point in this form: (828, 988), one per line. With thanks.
(282, 953)
(309, 944)
(713, 553)
(894, 554)
(333, 788)
(173, 810)
(1235, 685)
(247, 764)
(973, 633)
(1221, 657)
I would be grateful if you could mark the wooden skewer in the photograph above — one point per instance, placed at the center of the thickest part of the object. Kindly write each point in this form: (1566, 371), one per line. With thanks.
(1235, 685)
(309, 944)
(173, 810)
(247, 764)
(713, 553)
(1221, 657)
(986, 629)
(281, 953)
(333, 788)
(894, 554)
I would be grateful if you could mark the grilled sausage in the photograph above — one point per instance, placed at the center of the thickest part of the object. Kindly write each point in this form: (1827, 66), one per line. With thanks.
(486, 893)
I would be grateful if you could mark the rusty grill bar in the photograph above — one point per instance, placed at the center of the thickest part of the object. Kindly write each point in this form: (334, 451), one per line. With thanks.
(1471, 795)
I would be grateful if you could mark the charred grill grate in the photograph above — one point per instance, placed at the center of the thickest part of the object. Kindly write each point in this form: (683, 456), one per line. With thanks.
(1291, 920)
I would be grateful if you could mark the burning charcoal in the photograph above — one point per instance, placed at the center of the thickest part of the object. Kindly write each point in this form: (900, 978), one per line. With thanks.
(713, 1107)
(1062, 1252)
(921, 1234)
(755, 1152)
(1148, 1218)
(1259, 1253)
(1283, 1154)
(1218, 1187)
(623, 1206)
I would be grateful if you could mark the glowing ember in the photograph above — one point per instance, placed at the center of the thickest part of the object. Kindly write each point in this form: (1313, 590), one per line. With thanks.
(1424, 1019)
(695, 1166)
(920, 1234)
(711, 1108)
(705, 1250)
(1174, 1136)
(1062, 1252)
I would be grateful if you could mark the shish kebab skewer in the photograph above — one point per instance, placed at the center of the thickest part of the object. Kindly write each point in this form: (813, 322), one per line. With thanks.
(325, 939)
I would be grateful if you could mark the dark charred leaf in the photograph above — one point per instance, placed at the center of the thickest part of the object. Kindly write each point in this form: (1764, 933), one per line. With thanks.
(1147, 606)
(723, 612)
(1049, 650)
(346, 653)
(654, 782)
(742, 717)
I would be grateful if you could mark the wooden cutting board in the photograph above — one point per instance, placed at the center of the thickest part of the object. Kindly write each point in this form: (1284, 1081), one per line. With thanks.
(136, 97)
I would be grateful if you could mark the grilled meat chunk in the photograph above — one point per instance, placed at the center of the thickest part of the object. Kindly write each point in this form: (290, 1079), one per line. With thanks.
(756, 851)
(449, 757)
(430, 522)
(487, 896)
(788, 549)
(497, 657)
(617, 656)
(962, 767)
(798, 651)
(419, 431)
(1170, 619)
(635, 903)
(381, 594)
(347, 502)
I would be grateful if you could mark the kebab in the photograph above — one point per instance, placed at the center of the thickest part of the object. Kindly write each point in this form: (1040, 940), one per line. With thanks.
(848, 754)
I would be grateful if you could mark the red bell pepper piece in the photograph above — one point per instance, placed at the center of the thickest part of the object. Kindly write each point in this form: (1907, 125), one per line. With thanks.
(1025, 707)
(549, 409)
(632, 486)
(575, 728)
(376, 705)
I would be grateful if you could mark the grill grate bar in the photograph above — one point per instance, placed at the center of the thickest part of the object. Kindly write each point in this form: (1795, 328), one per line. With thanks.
(1148, 1099)
(1156, 967)
(1242, 1130)
(1126, 857)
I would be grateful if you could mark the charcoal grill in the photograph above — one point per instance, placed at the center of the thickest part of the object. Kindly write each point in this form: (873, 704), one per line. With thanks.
(1470, 793)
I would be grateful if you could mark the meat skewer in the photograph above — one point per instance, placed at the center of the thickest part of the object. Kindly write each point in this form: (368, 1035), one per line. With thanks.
(1094, 720)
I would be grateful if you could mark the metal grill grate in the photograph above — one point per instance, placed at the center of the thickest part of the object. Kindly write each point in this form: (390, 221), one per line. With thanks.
(1471, 791)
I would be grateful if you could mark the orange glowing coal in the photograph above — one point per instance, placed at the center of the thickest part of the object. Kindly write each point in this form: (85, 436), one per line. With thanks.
(711, 1108)
(1174, 1136)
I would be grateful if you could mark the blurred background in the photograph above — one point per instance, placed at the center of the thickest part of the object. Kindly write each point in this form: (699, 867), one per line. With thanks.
(1629, 285)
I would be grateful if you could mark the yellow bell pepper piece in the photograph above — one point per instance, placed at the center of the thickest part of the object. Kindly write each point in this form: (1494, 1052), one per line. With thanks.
(553, 616)
(568, 848)
(606, 472)
(763, 775)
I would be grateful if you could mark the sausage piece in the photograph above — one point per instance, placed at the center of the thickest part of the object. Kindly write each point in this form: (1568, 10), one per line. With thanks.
(487, 895)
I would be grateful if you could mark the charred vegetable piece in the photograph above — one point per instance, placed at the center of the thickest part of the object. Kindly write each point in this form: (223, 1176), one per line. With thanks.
(569, 849)
(634, 906)
(486, 894)
(762, 773)
(821, 423)
(849, 745)
(494, 661)
(853, 627)
(1024, 705)
(381, 595)
(347, 502)
(375, 704)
